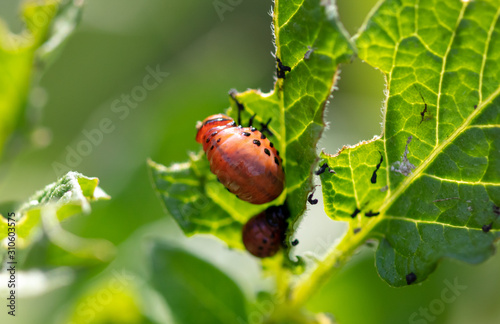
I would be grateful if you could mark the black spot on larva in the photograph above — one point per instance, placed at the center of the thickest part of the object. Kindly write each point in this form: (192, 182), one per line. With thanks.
(267, 152)
(262, 136)
(295, 242)
(253, 129)
(271, 144)
(264, 240)
(357, 230)
(212, 147)
(487, 228)
(260, 248)
(475, 106)
(311, 200)
(218, 140)
(256, 142)
(208, 140)
(246, 134)
(496, 209)
(371, 214)
(213, 134)
(277, 153)
(411, 278)
(276, 161)
(355, 213)
(374, 175)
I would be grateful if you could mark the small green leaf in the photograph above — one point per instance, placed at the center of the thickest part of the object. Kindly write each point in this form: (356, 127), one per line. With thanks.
(312, 43)
(429, 186)
(70, 195)
(196, 291)
(66, 197)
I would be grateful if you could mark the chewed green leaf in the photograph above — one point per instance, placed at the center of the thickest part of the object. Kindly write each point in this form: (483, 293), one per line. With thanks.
(429, 187)
(68, 196)
(310, 43)
(198, 202)
(72, 189)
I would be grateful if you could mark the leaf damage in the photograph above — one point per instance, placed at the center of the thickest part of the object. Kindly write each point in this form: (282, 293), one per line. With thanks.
(405, 167)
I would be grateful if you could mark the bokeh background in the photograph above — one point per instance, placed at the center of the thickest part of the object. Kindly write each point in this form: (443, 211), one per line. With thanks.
(205, 54)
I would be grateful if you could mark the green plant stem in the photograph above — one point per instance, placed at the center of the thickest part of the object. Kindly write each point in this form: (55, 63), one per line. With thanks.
(307, 285)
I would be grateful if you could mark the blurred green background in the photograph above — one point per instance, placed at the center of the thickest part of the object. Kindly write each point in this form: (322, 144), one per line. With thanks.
(205, 55)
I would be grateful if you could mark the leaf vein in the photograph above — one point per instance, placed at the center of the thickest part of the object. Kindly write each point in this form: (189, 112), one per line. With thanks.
(419, 222)
(353, 182)
(485, 55)
(443, 67)
(477, 183)
(286, 22)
